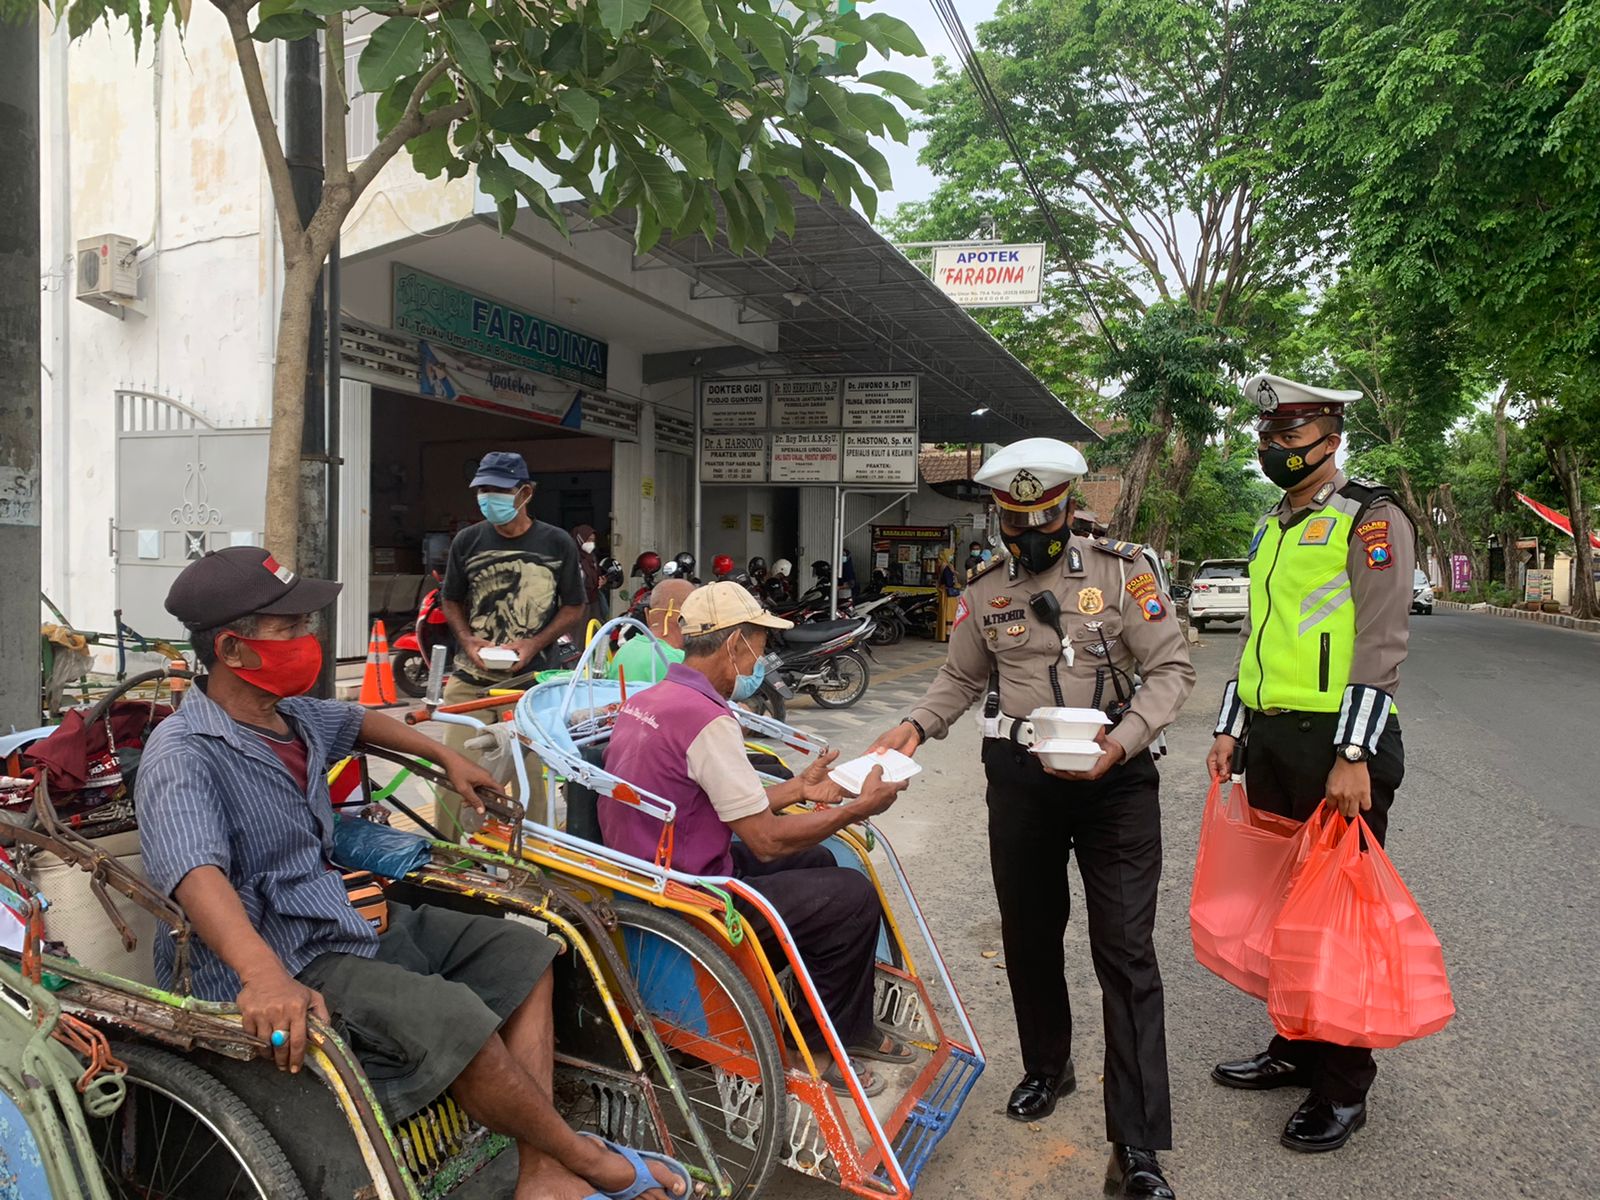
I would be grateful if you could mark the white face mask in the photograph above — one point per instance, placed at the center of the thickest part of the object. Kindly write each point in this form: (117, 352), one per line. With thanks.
(588, 547)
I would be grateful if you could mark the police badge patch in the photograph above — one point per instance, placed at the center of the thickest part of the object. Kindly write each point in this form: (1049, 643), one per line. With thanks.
(1090, 601)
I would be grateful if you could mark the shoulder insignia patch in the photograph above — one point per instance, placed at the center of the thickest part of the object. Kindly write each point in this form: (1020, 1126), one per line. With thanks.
(1379, 557)
(982, 569)
(1074, 560)
(1141, 586)
(1152, 607)
(1372, 532)
(962, 613)
(1127, 551)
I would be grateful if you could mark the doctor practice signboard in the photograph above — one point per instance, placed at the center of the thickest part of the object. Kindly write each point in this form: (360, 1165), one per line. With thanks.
(445, 315)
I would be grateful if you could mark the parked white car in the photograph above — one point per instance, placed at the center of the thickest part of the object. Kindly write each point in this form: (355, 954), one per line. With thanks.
(1421, 593)
(1220, 591)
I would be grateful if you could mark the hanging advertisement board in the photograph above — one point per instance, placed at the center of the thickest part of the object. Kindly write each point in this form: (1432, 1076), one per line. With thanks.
(805, 402)
(733, 458)
(810, 429)
(990, 276)
(880, 402)
(881, 458)
(733, 403)
(805, 457)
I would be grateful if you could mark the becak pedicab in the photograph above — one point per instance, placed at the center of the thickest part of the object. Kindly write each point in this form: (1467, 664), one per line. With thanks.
(111, 1086)
(727, 1009)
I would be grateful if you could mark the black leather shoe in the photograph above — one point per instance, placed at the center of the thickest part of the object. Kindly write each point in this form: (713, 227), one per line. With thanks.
(1035, 1097)
(1321, 1124)
(1260, 1074)
(1136, 1172)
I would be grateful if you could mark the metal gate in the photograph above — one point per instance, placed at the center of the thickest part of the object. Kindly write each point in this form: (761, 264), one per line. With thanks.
(183, 487)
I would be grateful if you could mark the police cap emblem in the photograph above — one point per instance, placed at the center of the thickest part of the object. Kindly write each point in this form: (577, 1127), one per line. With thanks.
(1025, 486)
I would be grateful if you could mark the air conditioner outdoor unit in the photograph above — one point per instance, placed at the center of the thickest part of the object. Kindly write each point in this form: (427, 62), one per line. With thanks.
(108, 270)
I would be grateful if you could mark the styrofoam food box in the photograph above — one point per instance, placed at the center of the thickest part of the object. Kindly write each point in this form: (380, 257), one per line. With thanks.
(1069, 724)
(498, 656)
(1068, 754)
(851, 776)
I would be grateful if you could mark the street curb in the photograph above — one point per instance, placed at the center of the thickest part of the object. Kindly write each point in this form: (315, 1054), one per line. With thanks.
(1562, 620)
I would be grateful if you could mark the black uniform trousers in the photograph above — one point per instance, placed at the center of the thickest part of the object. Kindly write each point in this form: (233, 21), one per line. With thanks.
(834, 916)
(1036, 822)
(1286, 765)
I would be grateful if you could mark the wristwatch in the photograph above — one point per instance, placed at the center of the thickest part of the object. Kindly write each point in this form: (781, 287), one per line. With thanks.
(922, 734)
(1353, 753)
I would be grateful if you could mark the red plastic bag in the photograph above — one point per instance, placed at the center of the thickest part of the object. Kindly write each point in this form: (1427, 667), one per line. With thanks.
(1354, 961)
(1247, 862)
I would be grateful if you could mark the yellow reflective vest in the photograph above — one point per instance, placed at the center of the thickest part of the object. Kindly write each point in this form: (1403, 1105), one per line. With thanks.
(1302, 617)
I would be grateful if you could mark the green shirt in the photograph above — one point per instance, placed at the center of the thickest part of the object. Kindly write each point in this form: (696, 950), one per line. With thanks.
(639, 660)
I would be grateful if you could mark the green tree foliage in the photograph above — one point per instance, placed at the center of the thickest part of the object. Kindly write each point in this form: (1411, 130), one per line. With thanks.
(1464, 143)
(1155, 127)
(697, 115)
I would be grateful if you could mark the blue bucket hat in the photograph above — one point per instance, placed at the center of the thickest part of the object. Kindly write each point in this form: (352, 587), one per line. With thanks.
(501, 469)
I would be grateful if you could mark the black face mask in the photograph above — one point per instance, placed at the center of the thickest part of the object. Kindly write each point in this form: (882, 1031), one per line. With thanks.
(1036, 550)
(1288, 467)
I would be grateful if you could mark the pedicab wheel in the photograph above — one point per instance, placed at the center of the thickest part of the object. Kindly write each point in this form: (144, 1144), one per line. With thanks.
(847, 682)
(181, 1134)
(719, 1038)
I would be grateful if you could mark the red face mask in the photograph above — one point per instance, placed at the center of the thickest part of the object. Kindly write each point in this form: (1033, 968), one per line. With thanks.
(288, 668)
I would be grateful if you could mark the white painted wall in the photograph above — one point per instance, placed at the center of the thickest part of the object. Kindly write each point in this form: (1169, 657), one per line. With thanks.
(158, 152)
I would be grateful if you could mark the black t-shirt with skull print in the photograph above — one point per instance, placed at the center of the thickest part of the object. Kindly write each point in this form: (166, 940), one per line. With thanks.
(511, 589)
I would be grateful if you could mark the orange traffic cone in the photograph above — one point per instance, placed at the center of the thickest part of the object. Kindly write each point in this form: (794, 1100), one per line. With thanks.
(377, 682)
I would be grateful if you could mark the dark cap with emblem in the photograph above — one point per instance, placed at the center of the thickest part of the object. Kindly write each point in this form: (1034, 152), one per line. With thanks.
(501, 469)
(1285, 404)
(243, 581)
(1031, 479)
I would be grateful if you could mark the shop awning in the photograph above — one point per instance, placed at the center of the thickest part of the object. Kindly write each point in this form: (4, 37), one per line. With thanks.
(845, 301)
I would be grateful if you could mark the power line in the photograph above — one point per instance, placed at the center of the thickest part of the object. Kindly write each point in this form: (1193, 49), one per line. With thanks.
(968, 54)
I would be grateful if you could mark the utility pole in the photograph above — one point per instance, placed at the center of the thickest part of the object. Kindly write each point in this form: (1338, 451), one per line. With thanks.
(20, 545)
(303, 146)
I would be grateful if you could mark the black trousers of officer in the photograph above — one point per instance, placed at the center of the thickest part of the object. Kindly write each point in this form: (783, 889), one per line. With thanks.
(1036, 822)
(1287, 761)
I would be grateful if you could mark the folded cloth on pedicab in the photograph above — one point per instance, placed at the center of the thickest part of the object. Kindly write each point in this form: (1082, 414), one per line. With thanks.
(380, 849)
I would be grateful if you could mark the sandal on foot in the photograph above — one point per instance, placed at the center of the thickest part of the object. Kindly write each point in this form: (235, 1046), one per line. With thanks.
(643, 1178)
(871, 1084)
(898, 1053)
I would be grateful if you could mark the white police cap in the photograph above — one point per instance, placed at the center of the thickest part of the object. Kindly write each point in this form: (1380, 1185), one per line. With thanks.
(1031, 479)
(1285, 404)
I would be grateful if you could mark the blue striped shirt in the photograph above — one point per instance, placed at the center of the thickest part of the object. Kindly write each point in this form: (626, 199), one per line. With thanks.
(212, 793)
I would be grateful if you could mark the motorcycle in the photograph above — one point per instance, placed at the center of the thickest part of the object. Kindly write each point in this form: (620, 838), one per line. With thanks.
(888, 622)
(411, 651)
(825, 660)
(920, 613)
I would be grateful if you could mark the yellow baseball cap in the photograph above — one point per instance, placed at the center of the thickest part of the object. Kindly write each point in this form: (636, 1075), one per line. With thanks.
(722, 606)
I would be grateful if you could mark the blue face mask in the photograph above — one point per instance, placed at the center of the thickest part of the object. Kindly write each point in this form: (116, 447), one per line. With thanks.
(746, 686)
(498, 508)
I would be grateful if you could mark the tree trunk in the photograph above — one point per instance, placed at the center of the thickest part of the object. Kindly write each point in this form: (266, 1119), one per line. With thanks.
(1504, 501)
(1569, 469)
(1180, 475)
(289, 411)
(1136, 476)
(1460, 543)
(1427, 530)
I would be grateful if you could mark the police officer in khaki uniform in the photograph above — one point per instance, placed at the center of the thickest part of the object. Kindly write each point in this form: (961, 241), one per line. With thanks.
(1310, 708)
(1065, 621)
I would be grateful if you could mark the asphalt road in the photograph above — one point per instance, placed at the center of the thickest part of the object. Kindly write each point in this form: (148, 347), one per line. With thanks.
(1496, 830)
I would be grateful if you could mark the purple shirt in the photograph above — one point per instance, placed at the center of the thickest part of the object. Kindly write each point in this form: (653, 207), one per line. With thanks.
(678, 740)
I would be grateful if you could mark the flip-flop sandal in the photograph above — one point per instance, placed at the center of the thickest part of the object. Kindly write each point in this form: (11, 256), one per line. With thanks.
(643, 1179)
(871, 1083)
(898, 1053)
